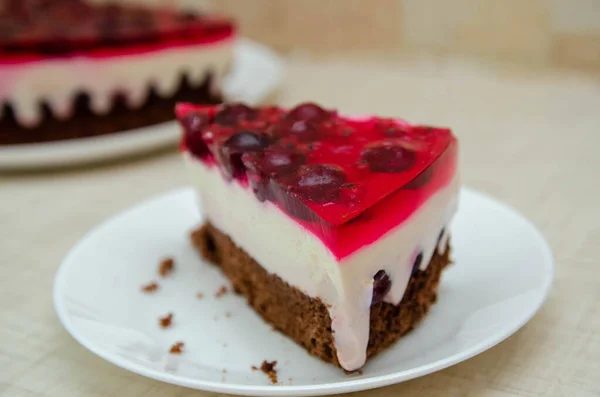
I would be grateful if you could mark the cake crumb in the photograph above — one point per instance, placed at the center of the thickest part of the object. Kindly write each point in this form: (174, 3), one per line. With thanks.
(165, 321)
(199, 295)
(224, 371)
(177, 348)
(221, 291)
(360, 372)
(151, 287)
(166, 267)
(227, 314)
(268, 368)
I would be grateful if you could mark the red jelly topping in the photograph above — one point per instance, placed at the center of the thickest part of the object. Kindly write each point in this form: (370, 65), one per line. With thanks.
(33, 29)
(347, 180)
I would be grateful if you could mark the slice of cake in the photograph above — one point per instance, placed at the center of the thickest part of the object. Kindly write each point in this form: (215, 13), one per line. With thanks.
(335, 228)
(70, 69)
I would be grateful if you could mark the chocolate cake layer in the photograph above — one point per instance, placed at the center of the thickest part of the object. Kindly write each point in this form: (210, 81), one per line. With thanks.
(84, 123)
(305, 319)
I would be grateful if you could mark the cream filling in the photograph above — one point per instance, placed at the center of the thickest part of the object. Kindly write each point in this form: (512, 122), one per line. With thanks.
(285, 248)
(57, 80)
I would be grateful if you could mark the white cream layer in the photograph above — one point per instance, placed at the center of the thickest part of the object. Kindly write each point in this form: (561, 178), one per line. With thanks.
(285, 248)
(57, 80)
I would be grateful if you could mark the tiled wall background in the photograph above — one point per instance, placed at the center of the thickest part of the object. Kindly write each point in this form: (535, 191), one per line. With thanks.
(553, 32)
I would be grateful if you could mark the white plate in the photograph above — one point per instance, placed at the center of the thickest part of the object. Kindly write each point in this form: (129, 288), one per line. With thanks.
(502, 273)
(256, 73)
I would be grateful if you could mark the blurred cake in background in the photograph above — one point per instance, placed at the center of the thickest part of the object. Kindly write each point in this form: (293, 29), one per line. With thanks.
(69, 69)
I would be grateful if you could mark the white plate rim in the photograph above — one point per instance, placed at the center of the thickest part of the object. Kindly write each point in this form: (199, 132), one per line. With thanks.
(257, 72)
(307, 390)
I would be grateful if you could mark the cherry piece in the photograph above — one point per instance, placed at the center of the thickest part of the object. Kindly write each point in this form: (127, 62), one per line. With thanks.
(308, 112)
(235, 146)
(275, 160)
(319, 183)
(245, 141)
(388, 158)
(192, 124)
(234, 113)
(304, 131)
(381, 286)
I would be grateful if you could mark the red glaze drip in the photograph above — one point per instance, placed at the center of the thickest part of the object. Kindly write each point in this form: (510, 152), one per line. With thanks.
(346, 180)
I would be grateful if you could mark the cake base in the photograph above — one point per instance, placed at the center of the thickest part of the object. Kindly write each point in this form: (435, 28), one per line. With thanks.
(85, 123)
(305, 319)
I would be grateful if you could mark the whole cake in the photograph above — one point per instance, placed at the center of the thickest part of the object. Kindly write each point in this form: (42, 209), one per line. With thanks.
(70, 69)
(335, 228)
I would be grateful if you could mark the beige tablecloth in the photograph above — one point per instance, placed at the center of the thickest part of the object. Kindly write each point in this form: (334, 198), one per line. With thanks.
(529, 138)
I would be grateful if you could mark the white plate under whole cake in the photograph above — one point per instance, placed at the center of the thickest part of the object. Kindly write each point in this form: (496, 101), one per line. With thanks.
(256, 72)
(502, 272)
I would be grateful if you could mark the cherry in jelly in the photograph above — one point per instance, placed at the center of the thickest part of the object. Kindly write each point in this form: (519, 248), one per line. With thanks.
(275, 160)
(388, 158)
(193, 123)
(304, 131)
(319, 183)
(245, 141)
(233, 114)
(235, 146)
(308, 112)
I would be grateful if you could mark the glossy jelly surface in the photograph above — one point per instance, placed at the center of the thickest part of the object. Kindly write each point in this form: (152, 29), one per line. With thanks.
(347, 180)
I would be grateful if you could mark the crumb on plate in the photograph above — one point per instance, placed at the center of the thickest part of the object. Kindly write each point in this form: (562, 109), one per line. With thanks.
(166, 267)
(268, 368)
(177, 348)
(151, 287)
(166, 321)
(221, 291)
